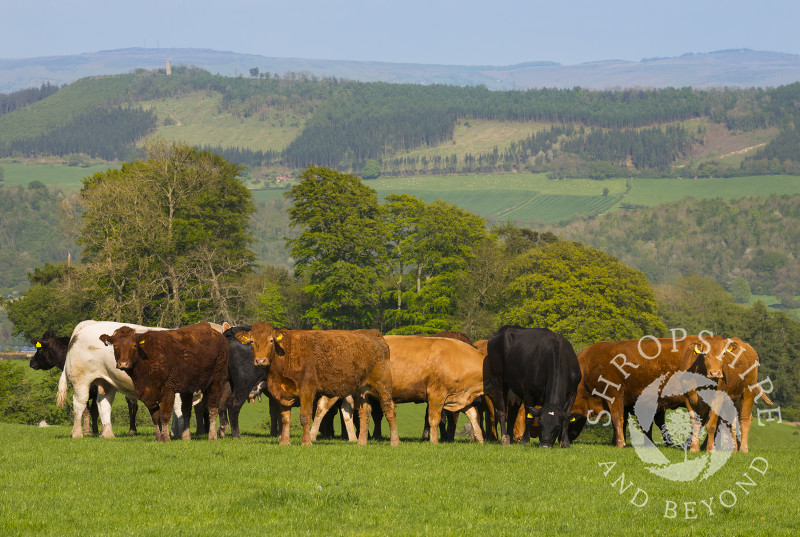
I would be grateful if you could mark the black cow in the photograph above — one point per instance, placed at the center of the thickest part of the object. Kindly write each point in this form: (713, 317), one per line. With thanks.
(246, 381)
(51, 351)
(541, 367)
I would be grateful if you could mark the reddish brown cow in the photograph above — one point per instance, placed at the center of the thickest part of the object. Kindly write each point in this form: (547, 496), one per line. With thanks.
(734, 364)
(614, 373)
(333, 363)
(164, 362)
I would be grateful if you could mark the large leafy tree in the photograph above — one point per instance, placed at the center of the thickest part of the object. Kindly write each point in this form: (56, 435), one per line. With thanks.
(165, 237)
(341, 247)
(582, 293)
(429, 245)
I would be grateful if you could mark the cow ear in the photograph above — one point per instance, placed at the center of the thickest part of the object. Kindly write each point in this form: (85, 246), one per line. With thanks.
(106, 339)
(281, 339)
(225, 326)
(531, 413)
(574, 417)
(244, 337)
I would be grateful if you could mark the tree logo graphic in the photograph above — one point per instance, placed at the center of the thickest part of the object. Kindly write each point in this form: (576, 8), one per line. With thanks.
(680, 426)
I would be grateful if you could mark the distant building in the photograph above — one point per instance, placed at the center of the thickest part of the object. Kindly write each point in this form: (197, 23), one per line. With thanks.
(169, 67)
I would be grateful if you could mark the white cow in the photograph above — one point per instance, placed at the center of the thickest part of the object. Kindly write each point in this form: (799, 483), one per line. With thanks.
(90, 361)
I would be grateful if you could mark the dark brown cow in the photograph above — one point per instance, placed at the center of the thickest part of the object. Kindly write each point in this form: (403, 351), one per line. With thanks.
(333, 363)
(161, 363)
(734, 365)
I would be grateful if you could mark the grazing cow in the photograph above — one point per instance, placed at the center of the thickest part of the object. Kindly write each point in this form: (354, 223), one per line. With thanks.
(614, 374)
(164, 362)
(51, 351)
(445, 373)
(333, 363)
(89, 362)
(541, 367)
(734, 365)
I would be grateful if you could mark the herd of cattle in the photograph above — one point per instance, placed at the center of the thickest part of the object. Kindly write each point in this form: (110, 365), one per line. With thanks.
(528, 380)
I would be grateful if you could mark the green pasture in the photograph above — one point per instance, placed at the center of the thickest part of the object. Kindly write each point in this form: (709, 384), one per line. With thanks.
(523, 197)
(67, 177)
(656, 191)
(197, 119)
(56, 485)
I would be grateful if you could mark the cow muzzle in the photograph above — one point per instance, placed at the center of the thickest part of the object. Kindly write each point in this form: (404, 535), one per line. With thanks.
(715, 374)
(262, 362)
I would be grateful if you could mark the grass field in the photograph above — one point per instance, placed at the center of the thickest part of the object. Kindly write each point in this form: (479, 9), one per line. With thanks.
(524, 197)
(198, 121)
(54, 485)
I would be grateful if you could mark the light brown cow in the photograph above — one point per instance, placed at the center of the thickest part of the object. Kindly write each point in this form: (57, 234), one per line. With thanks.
(333, 363)
(734, 364)
(445, 373)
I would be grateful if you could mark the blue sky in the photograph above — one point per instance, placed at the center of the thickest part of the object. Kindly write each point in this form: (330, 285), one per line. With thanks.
(465, 32)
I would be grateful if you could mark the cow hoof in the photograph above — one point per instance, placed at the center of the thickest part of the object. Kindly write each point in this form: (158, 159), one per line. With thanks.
(186, 435)
(132, 432)
(505, 440)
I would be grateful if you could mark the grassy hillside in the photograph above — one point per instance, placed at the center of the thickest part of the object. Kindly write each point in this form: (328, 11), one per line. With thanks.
(197, 119)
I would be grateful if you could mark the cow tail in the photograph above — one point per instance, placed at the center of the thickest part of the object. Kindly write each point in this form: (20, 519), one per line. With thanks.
(62, 390)
(764, 397)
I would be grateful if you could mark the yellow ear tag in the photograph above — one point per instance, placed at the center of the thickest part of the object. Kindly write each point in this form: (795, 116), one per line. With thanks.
(530, 416)
(730, 349)
(141, 342)
(697, 350)
(246, 339)
(279, 337)
(38, 345)
(573, 419)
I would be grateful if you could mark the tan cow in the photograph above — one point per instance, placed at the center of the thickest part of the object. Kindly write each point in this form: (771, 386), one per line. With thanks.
(445, 373)
(734, 365)
(333, 363)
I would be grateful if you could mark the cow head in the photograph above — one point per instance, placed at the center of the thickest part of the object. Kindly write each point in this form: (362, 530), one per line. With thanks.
(126, 343)
(552, 420)
(708, 355)
(265, 341)
(50, 352)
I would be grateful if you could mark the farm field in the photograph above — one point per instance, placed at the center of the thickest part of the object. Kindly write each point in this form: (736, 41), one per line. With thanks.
(54, 485)
(524, 197)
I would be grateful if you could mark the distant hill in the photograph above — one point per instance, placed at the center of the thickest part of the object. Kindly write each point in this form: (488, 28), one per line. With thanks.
(731, 68)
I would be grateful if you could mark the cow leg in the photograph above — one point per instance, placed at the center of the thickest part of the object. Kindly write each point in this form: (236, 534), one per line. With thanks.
(233, 417)
(79, 397)
(223, 407)
(348, 405)
(306, 407)
(435, 407)
(618, 417)
(520, 432)
(133, 409)
(713, 419)
(377, 420)
(186, 410)
(176, 429)
(500, 413)
(323, 405)
(286, 417)
(472, 415)
(105, 399)
(489, 418)
(691, 401)
(275, 417)
(745, 418)
(90, 415)
(213, 413)
(164, 413)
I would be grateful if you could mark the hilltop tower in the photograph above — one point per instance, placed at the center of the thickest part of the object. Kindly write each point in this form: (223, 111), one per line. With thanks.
(169, 67)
